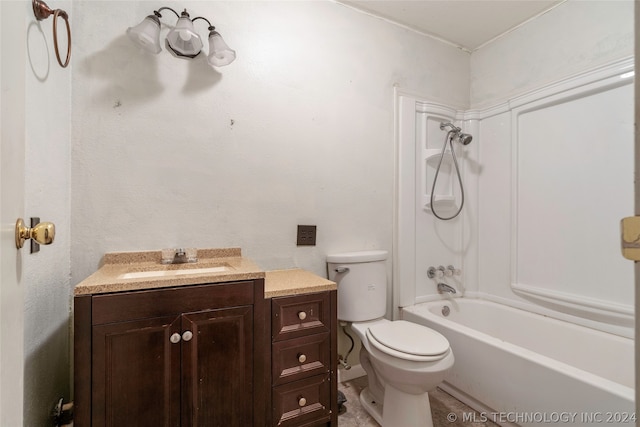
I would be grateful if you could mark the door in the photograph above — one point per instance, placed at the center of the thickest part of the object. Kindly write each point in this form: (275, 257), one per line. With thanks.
(13, 15)
(217, 365)
(136, 373)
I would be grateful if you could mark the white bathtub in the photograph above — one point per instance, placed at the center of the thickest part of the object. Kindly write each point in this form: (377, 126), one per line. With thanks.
(521, 368)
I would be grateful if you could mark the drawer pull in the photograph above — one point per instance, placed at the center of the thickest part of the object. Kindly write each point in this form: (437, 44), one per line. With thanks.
(302, 401)
(175, 338)
(302, 358)
(302, 315)
(187, 335)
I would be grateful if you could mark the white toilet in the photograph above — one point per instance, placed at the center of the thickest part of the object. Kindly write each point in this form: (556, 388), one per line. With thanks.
(403, 360)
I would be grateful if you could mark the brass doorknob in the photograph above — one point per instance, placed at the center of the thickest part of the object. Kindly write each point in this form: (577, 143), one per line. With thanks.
(42, 233)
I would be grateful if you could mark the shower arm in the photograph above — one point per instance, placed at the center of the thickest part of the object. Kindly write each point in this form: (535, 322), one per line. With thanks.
(454, 129)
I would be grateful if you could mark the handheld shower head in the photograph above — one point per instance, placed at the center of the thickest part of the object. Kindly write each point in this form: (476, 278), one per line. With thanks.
(464, 138)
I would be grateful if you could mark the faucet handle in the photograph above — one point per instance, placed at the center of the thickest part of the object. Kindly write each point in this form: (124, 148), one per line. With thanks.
(168, 255)
(453, 271)
(437, 273)
(191, 254)
(448, 272)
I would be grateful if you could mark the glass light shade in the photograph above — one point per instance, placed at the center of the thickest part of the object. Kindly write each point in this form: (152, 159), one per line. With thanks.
(219, 53)
(147, 34)
(183, 40)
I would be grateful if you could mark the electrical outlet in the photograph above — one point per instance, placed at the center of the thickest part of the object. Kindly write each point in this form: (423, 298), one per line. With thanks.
(306, 235)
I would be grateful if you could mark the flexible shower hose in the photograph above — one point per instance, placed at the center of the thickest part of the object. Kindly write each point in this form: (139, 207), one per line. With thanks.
(449, 139)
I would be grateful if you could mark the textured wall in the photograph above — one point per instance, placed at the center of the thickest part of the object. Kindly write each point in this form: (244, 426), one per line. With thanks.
(299, 130)
(46, 274)
(572, 37)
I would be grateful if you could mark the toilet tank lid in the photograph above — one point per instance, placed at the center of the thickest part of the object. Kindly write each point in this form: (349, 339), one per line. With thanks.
(353, 257)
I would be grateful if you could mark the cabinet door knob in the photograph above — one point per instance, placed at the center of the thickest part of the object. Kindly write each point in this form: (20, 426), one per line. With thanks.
(302, 358)
(187, 335)
(302, 315)
(302, 401)
(175, 338)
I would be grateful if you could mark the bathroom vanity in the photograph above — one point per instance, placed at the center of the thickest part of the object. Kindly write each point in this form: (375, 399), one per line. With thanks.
(224, 344)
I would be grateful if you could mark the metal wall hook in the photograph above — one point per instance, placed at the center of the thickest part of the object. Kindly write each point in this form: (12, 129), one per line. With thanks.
(42, 11)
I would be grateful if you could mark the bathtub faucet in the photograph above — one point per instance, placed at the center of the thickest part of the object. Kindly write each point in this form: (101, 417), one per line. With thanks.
(444, 288)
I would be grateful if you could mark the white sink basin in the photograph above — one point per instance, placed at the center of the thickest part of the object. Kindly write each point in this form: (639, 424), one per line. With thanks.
(171, 273)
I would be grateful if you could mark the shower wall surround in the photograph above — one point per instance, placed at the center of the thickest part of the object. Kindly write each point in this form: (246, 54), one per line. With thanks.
(557, 177)
(551, 173)
(557, 162)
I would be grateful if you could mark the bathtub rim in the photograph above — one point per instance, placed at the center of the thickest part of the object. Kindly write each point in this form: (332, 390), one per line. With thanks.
(622, 331)
(619, 390)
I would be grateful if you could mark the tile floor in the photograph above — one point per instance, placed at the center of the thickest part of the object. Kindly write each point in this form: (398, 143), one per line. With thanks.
(442, 406)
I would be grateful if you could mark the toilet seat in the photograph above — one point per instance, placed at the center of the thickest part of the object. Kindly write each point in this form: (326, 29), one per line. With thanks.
(408, 341)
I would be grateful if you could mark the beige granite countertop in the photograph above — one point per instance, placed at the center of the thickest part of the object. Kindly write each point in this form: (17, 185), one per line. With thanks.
(294, 282)
(111, 276)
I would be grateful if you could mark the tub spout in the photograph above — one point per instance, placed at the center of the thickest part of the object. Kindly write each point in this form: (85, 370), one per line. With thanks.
(444, 288)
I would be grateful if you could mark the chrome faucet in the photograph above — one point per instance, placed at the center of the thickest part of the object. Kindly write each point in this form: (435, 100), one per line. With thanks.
(444, 288)
(179, 255)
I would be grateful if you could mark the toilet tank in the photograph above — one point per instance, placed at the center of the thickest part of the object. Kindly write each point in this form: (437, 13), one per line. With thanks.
(362, 284)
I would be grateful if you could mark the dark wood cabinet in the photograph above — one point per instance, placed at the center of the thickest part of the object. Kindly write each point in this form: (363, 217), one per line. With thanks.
(304, 360)
(184, 356)
(217, 370)
(135, 366)
(214, 355)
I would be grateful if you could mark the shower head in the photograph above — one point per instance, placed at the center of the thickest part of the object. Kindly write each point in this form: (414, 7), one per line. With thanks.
(464, 138)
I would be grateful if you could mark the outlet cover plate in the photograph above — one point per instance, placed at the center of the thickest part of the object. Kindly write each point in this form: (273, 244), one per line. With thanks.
(306, 235)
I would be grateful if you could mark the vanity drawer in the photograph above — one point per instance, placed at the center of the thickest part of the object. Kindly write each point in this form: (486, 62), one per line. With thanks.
(300, 358)
(300, 315)
(302, 402)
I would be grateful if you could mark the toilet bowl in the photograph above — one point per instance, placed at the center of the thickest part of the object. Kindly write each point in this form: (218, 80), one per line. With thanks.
(403, 360)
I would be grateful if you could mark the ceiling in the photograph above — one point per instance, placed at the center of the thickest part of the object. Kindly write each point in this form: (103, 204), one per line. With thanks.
(465, 23)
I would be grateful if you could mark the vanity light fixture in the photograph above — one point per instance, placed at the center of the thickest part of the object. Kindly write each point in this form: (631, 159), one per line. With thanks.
(182, 40)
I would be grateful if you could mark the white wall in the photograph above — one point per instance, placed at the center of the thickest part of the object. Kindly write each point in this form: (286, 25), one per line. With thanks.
(46, 274)
(36, 145)
(575, 36)
(298, 130)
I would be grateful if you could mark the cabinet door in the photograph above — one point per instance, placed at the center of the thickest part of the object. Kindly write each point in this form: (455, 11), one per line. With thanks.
(217, 361)
(136, 373)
